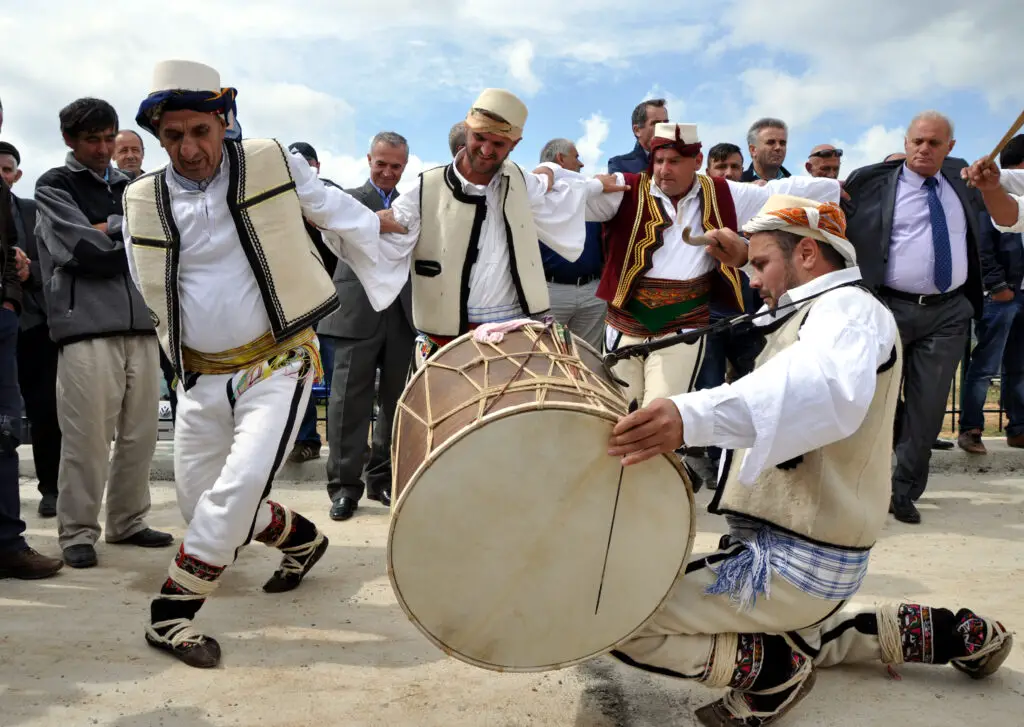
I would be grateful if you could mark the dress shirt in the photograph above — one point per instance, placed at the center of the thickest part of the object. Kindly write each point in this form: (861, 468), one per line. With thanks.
(220, 302)
(809, 395)
(911, 266)
(558, 213)
(1012, 180)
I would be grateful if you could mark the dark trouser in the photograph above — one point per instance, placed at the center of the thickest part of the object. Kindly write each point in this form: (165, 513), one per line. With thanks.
(1000, 334)
(933, 338)
(11, 524)
(307, 432)
(37, 374)
(168, 371)
(351, 405)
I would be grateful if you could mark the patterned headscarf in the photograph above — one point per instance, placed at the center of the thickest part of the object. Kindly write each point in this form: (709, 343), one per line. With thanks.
(220, 103)
(823, 222)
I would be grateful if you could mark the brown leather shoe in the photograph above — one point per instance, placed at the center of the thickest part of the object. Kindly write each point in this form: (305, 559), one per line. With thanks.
(28, 565)
(970, 441)
(1017, 440)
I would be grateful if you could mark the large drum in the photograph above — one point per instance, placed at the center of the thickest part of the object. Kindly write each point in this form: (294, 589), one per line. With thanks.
(516, 542)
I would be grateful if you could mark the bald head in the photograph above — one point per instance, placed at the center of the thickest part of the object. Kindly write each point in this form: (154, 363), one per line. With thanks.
(823, 161)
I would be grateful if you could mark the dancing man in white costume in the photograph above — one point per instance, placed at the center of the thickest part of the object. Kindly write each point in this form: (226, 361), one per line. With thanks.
(216, 244)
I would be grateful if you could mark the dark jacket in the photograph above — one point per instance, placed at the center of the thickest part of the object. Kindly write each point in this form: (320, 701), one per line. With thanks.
(634, 162)
(356, 317)
(749, 175)
(89, 292)
(1002, 257)
(589, 264)
(33, 302)
(869, 216)
(11, 286)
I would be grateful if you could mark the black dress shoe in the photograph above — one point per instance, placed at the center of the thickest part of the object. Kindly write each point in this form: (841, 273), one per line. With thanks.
(942, 444)
(80, 556)
(48, 506)
(902, 508)
(383, 497)
(343, 508)
(147, 538)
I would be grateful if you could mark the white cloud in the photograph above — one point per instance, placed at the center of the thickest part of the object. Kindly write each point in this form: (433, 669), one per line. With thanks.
(674, 105)
(519, 57)
(595, 134)
(873, 146)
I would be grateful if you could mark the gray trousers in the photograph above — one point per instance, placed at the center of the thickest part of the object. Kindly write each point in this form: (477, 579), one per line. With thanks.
(107, 388)
(351, 405)
(933, 338)
(579, 309)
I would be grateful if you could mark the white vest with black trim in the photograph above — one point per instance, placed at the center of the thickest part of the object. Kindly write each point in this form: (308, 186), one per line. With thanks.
(836, 495)
(450, 225)
(295, 287)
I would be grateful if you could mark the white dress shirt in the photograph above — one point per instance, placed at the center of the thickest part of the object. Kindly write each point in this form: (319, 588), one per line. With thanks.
(811, 394)
(911, 266)
(220, 303)
(559, 214)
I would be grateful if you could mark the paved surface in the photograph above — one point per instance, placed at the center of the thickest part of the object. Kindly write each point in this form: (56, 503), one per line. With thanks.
(339, 650)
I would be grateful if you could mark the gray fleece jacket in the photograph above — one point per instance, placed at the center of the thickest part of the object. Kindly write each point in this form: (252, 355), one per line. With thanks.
(89, 292)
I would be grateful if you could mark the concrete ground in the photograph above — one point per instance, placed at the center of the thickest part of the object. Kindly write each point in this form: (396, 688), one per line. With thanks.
(339, 650)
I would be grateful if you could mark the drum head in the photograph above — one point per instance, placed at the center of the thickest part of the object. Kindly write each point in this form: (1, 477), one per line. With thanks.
(521, 545)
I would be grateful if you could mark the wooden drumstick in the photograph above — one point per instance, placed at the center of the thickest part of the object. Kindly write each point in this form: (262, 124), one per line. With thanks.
(696, 240)
(1006, 137)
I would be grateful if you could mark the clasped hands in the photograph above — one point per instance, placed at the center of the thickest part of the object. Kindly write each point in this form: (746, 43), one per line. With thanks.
(645, 433)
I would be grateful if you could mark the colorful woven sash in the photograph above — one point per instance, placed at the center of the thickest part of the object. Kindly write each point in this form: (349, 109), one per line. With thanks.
(263, 350)
(660, 306)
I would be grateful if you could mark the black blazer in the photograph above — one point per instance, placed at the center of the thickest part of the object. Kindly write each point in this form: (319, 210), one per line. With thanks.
(869, 216)
(356, 318)
(33, 303)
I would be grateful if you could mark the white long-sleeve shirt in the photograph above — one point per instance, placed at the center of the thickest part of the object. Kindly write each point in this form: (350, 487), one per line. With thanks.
(220, 302)
(1012, 180)
(559, 214)
(812, 393)
(675, 260)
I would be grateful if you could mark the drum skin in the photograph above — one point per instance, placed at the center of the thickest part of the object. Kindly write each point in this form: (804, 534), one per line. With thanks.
(516, 542)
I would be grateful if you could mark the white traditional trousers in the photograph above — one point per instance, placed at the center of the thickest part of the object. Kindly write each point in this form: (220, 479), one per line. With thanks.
(231, 436)
(660, 374)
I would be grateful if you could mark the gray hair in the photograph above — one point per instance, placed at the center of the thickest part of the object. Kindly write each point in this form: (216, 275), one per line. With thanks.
(457, 137)
(932, 115)
(555, 147)
(389, 138)
(761, 124)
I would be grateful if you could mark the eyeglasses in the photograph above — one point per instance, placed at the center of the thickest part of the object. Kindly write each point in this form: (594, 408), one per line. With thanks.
(828, 153)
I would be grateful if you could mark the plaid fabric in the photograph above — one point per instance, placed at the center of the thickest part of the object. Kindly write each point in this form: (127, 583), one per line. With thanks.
(832, 574)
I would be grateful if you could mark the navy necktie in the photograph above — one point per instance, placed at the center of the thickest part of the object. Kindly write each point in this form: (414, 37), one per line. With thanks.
(940, 237)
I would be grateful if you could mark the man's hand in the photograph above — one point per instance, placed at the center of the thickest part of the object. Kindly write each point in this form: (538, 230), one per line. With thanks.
(611, 183)
(1003, 296)
(983, 175)
(655, 429)
(10, 307)
(102, 227)
(728, 248)
(21, 264)
(759, 182)
(546, 172)
(388, 223)
(844, 196)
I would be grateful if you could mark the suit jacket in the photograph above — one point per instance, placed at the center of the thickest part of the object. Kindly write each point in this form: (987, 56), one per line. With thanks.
(33, 303)
(634, 162)
(356, 317)
(869, 216)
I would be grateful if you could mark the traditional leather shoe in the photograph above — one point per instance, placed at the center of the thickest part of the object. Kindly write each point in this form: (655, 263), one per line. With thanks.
(970, 441)
(343, 508)
(179, 639)
(48, 506)
(27, 565)
(383, 497)
(80, 556)
(295, 564)
(147, 538)
(903, 509)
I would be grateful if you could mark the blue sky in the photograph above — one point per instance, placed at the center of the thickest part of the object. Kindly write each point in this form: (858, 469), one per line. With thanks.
(334, 73)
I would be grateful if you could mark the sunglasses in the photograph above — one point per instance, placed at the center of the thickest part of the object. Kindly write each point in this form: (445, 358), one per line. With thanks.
(828, 153)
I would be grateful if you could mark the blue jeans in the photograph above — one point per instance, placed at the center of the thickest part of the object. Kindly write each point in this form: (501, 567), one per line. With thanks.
(11, 524)
(1000, 335)
(307, 431)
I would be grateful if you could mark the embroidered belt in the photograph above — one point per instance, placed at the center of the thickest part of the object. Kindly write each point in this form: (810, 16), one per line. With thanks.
(263, 350)
(660, 306)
